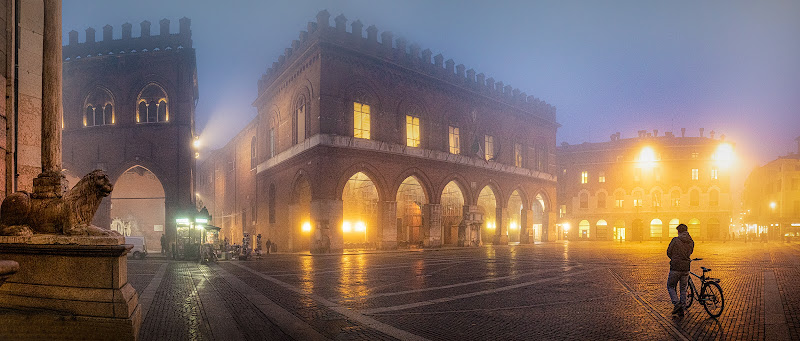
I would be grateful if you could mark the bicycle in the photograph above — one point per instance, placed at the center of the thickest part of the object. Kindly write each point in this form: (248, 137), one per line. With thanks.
(710, 295)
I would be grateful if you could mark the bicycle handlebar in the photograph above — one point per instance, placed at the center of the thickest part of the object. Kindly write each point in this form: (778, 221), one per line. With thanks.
(697, 259)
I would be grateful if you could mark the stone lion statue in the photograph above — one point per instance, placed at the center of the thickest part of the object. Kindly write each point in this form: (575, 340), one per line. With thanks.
(22, 215)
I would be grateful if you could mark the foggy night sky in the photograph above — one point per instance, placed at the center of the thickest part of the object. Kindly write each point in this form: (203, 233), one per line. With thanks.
(608, 66)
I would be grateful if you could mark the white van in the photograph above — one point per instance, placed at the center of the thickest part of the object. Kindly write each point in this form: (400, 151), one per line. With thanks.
(139, 250)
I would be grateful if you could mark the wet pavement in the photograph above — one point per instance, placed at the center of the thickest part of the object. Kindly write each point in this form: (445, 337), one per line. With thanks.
(561, 290)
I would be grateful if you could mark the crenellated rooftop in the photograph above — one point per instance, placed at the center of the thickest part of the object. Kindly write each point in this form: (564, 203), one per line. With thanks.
(146, 42)
(399, 52)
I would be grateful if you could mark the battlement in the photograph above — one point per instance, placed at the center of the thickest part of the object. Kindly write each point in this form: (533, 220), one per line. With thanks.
(146, 42)
(399, 52)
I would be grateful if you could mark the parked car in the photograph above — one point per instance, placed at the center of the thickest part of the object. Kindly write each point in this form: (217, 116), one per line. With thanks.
(139, 250)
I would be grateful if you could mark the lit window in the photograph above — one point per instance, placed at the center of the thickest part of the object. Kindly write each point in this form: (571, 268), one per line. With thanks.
(562, 211)
(619, 200)
(584, 177)
(412, 131)
(695, 155)
(601, 178)
(695, 174)
(714, 173)
(488, 153)
(637, 199)
(153, 105)
(455, 141)
(517, 155)
(675, 196)
(99, 109)
(361, 125)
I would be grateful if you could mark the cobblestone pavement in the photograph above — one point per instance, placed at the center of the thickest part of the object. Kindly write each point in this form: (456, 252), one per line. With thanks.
(563, 290)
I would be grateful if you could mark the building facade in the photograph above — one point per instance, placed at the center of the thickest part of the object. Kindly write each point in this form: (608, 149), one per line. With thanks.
(642, 188)
(367, 143)
(129, 109)
(771, 198)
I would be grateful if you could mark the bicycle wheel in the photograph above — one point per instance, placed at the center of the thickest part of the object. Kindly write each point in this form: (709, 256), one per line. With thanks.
(712, 299)
(689, 293)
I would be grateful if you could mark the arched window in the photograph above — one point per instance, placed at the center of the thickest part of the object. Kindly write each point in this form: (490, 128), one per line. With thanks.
(656, 199)
(141, 115)
(108, 114)
(153, 104)
(162, 111)
(601, 200)
(694, 198)
(271, 198)
(619, 199)
(638, 200)
(299, 120)
(675, 197)
(98, 108)
(713, 198)
(152, 112)
(583, 229)
(88, 118)
(584, 198)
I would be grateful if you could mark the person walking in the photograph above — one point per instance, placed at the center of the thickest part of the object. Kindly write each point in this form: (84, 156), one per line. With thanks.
(269, 246)
(679, 252)
(163, 243)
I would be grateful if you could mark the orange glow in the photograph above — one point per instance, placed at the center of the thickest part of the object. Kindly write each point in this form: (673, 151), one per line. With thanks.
(724, 155)
(347, 227)
(647, 157)
(306, 227)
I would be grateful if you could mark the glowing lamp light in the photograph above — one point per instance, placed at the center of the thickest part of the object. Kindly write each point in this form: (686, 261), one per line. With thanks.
(513, 226)
(724, 155)
(306, 227)
(647, 157)
(347, 227)
(201, 220)
(566, 226)
(196, 142)
(360, 227)
(772, 205)
(182, 220)
(196, 155)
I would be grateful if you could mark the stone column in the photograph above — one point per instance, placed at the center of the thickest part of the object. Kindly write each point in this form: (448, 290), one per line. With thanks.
(388, 224)
(501, 230)
(434, 225)
(51, 183)
(526, 225)
(326, 215)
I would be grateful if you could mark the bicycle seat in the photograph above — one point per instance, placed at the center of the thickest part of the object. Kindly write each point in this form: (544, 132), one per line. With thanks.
(705, 269)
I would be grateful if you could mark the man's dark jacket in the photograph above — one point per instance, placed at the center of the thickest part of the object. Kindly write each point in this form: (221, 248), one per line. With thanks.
(680, 252)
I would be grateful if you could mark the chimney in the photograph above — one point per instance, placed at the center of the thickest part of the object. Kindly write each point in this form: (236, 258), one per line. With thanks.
(372, 33)
(450, 66)
(712, 134)
(437, 60)
(356, 27)
(701, 131)
(655, 132)
(683, 132)
(341, 22)
(323, 18)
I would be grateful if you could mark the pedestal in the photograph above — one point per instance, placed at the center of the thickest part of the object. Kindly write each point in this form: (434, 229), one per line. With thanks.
(68, 287)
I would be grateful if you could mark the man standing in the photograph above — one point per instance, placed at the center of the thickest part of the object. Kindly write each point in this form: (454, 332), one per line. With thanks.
(679, 252)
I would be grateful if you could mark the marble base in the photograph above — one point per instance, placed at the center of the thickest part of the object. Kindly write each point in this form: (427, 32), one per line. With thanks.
(67, 285)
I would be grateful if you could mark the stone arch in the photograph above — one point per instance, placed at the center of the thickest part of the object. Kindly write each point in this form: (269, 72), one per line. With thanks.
(713, 229)
(299, 176)
(601, 198)
(360, 203)
(494, 186)
(300, 226)
(583, 197)
(462, 185)
(371, 172)
(540, 207)
(427, 187)
(584, 229)
(694, 227)
(516, 220)
(601, 226)
(489, 203)
(138, 205)
(452, 199)
(656, 231)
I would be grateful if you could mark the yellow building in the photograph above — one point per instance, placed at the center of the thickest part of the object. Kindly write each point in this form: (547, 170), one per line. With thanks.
(642, 188)
(771, 198)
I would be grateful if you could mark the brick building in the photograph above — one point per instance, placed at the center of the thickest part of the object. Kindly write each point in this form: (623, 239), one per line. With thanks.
(771, 198)
(129, 108)
(380, 144)
(642, 188)
(21, 34)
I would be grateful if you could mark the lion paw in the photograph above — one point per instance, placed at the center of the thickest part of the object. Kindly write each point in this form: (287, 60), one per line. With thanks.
(16, 230)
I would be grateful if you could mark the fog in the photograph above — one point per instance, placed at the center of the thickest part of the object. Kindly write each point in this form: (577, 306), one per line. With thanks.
(727, 66)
